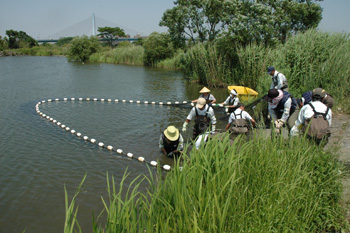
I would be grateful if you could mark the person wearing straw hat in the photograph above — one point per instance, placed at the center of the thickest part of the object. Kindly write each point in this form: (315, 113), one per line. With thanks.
(171, 142)
(279, 81)
(202, 112)
(205, 93)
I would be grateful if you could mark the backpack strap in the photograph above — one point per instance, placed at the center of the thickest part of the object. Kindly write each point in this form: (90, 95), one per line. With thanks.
(319, 113)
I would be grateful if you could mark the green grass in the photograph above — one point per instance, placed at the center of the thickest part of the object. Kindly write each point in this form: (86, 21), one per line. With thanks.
(250, 186)
(132, 55)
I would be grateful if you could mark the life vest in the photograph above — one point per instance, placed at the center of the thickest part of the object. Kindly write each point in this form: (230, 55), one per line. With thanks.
(239, 125)
(170, 146)
(206, 98)
(280, 107)
(231, 101)
(317, 127)
(284, 82)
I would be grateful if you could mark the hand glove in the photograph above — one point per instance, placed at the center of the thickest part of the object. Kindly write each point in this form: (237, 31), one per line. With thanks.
(170, 154)
(184, 126)
(192, 104)
(213, 127)
(279, 123)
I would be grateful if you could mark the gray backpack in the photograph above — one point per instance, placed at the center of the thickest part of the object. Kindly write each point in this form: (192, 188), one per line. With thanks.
(239, 125)
(317, 127)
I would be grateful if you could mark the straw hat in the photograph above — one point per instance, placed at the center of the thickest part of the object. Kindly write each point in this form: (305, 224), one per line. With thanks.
(204, 90)
(172, 133)
(201, 102)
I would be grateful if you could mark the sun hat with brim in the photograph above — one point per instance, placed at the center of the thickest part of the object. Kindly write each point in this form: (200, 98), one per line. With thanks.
(204, 90)
(201, 102)
(319, 92)
(171, 133)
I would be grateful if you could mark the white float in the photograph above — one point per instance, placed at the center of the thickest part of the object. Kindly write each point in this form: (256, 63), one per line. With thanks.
(141, 159)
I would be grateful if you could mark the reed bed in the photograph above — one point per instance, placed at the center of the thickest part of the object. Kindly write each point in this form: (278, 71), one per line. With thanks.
(260, 185)
(131, 55)
(309, 60)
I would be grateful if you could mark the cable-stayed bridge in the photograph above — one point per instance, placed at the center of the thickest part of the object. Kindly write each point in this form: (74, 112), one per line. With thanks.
(89, 27)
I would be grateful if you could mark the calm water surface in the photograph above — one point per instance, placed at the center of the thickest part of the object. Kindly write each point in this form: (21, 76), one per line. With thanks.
(37, 158)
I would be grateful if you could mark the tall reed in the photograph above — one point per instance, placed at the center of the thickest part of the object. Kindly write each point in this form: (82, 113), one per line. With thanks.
(240, 186)
(132, 55)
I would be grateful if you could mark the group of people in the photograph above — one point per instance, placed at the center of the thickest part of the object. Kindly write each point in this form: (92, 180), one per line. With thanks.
(205, 122)
(310, 114)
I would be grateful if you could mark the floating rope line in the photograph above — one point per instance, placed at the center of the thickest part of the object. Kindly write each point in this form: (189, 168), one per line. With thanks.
(101, 144)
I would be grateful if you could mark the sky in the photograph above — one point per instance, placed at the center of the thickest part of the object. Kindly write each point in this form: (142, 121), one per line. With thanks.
(41, 19)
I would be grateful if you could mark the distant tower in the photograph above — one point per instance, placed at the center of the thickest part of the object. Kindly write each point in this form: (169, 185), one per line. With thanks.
(93, 25)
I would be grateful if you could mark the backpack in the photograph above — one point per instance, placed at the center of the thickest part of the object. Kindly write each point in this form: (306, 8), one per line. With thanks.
(239, 125)
(317, 127)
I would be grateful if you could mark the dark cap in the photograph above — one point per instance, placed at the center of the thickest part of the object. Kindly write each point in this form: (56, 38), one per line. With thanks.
(318, 92)
(273, 93)
(270, 69)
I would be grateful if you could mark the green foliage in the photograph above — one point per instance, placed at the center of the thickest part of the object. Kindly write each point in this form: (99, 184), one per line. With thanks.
(110, 34)
(158, 46)
(82, 48)
(3, 43)
(131, 55)
(241, 186)
(19, 39)
(124, 44)
(243, 21)
(64, 41)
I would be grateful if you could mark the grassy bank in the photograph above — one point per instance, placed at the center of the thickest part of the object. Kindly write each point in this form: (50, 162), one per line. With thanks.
(255, 186)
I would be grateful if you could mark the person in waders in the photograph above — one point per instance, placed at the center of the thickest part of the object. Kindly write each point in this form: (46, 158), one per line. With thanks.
(232, 101)
(205, 93)
(314, 119)
(202, 112)
(204, 135)
(171, 142)
(279, 81)
(239, 121)
(305, 99)
(281, 105)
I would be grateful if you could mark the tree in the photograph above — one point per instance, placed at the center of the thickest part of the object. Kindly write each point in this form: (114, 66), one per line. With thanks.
(194, 19)
(15, 39)
(82, 47)
(158, 46)
(244, 21)
(3, 43)
(110, 34)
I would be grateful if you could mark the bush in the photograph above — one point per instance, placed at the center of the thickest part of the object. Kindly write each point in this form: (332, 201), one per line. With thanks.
(158, 46)
(82, 48)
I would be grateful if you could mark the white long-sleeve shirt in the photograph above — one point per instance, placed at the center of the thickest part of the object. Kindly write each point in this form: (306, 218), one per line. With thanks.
(306, 112)
(209, 111)
(280, 79)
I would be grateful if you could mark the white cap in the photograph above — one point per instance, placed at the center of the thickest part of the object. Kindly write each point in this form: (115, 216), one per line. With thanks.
(233, 92)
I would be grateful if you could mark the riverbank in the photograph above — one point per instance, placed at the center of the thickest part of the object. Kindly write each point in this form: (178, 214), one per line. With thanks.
(340, 142)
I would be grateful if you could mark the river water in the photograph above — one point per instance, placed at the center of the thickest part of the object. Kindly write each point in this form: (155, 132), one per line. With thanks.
(38, 158)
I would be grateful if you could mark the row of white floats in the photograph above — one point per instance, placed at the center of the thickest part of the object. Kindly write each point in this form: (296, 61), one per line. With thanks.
(115, 100)
(92, 140)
